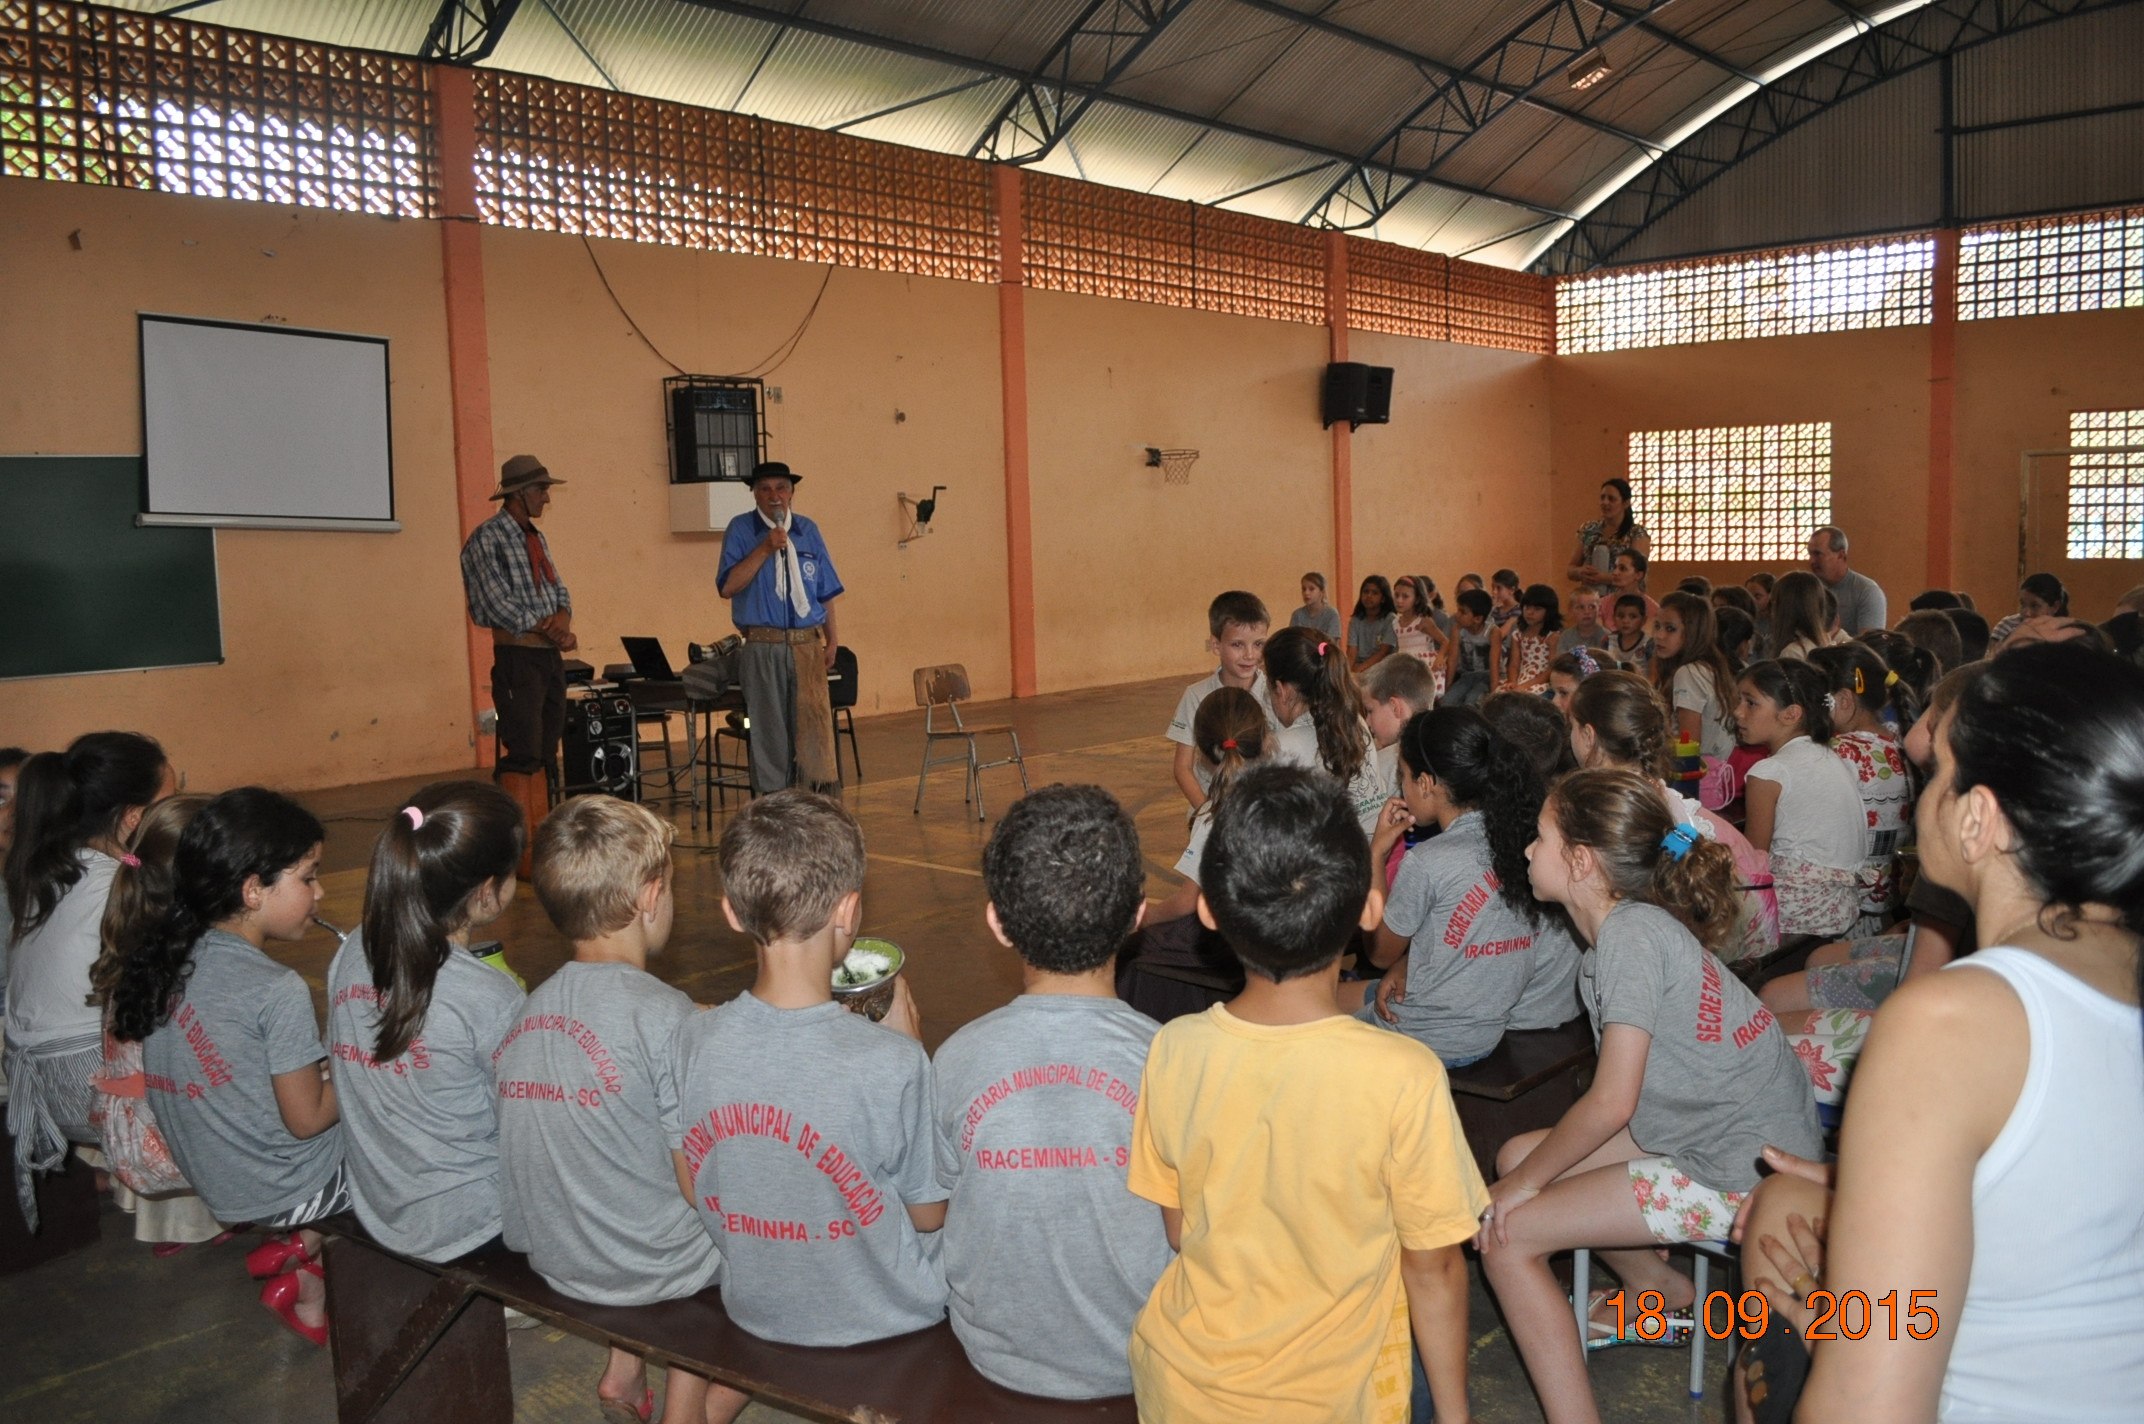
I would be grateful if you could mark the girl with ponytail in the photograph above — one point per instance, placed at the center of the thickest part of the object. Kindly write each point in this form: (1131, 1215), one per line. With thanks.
(1862, 689)
(414, 1018)
(148, 1182)
(1463, 940)
(230, 1049)
(74, 812)
(1694, 1078)
(1321, 716)
(1804, 808)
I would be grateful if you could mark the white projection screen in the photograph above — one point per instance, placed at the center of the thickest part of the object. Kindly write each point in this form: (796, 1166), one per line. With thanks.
(267, 427)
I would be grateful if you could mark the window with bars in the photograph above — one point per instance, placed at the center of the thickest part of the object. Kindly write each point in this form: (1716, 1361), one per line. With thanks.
(1732, 494)
(89, 95)
(2071, 264)
(1793, 293)
(2106, 514)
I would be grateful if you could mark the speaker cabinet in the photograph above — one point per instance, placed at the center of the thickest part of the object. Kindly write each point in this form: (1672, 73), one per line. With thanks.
(1357, 394)
(597, 753)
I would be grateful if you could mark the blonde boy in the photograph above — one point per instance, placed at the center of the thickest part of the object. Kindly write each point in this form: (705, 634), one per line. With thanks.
(1310, 1168)
(1236, 625)
(1586, 630)
(1395, 690)
(588, 1108)
(807, 1129)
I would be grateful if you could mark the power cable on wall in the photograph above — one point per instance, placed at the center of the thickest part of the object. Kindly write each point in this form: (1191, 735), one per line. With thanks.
(766, 365)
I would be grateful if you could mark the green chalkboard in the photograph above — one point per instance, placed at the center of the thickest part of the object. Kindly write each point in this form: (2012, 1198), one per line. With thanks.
(86, 591)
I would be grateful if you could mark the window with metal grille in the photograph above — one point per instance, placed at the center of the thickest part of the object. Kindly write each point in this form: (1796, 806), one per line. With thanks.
(2070, 264)
(1839, 288)
(2106, 517)
(1732, 494)
(565, 158)
(89, 95)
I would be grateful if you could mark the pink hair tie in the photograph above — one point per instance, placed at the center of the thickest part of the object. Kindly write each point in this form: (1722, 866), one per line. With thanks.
(1322, 647)
(416, 817)
(130, 860)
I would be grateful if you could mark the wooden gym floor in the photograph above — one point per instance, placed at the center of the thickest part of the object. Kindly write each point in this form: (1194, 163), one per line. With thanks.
(115, 1336)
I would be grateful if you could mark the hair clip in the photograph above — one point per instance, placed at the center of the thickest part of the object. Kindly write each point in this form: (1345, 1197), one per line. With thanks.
(1679, 839)
(130, 860)
(1322, 647)
(1228, 744)
(1831, 703)
(1890, 679)
(1861, 688)
(1585, 661)
(416, 817)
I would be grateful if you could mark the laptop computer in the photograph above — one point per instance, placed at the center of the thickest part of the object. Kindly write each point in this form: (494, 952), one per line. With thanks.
(649, 659)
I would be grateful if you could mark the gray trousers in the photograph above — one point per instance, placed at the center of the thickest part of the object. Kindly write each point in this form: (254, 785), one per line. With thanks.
(770, 701)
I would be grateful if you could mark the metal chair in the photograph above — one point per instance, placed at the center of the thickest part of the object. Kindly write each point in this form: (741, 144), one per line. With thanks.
(724, 775)
(1702, 1253)
(943, 688)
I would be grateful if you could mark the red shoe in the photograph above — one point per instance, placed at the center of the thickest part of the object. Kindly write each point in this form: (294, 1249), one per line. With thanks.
(281, 1297)
(275, 1257)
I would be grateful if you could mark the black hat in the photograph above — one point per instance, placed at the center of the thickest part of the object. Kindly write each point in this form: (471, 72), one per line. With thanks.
(774, 470)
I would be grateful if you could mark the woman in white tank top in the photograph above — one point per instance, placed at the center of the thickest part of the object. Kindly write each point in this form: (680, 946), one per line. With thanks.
(1992, 1164)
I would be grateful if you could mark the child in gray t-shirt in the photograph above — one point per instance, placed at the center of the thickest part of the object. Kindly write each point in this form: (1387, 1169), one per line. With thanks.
(806, 1128)
(1034, 1113)
(1694, 1079)
(413, 1021)
(594, 1188)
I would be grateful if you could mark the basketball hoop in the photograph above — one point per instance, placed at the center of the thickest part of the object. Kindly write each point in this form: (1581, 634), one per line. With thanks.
(1175, 465)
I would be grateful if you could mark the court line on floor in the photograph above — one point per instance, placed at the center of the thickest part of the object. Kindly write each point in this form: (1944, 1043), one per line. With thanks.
(922, 864)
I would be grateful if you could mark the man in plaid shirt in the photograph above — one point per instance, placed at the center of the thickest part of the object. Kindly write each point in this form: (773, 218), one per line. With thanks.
(514, 590)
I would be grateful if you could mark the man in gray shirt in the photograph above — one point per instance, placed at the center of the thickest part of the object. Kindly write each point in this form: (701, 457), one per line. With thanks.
(1861, 600)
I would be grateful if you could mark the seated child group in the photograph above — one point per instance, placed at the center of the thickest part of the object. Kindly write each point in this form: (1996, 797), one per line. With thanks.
(1209, 1155)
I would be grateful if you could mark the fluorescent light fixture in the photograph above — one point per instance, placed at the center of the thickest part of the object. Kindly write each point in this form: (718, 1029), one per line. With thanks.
(1589, 69)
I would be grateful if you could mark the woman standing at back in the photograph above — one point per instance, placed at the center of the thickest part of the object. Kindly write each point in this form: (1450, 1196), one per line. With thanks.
(2003, 1097)
(74, 813)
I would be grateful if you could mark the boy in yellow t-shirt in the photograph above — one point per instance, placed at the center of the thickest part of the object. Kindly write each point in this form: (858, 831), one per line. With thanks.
(1309, 1167)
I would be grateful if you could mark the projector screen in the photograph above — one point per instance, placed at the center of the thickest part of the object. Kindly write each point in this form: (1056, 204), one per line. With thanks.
(264, 426)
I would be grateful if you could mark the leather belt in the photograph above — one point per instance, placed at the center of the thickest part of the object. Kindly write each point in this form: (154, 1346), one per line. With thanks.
(782, 635)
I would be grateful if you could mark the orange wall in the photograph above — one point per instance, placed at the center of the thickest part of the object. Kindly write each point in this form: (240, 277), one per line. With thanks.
(343, 652)
(893, 388)
(1124, 563)
(1871, 385)
(1459, 481)
(2018, 382)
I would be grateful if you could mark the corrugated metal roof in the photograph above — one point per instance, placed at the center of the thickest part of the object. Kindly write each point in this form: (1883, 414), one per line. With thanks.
(932, 73)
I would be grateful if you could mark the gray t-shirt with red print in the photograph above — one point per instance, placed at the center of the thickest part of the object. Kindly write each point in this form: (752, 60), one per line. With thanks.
(808, 1136)
(1721, 1080)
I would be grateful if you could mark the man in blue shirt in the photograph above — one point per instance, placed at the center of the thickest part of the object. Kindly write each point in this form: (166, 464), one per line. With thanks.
(781, 585)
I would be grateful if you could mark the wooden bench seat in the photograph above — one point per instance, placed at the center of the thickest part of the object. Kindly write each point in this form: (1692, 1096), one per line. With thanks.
(1528, 1082)
(423, 1344)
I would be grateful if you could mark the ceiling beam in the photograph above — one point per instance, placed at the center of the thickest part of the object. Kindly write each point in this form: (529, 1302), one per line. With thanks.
(749, 10)
(1097, 48)
(466, 31)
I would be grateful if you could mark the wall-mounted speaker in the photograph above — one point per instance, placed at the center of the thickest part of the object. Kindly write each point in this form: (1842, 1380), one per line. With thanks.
(1358, 394)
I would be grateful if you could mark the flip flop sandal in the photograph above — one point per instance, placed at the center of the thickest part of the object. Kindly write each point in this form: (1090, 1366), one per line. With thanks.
(1601, 1334)
(617, 1411)
(1775, 1366)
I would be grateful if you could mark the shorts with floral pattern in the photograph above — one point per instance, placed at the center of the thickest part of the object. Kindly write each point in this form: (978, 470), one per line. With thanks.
(1678, 1207)
(1865, 980)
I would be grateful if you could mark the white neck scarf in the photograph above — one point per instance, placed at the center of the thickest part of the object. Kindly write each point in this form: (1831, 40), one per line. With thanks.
(786, 566)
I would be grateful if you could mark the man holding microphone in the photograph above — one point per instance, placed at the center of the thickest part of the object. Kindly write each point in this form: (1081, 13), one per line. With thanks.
(781, 585)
